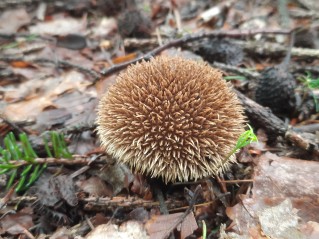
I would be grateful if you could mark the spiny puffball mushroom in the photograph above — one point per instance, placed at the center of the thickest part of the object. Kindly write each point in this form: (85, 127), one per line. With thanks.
(171, 118)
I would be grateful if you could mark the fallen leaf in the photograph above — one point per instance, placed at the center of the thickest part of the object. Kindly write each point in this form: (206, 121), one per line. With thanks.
(20, 64)
(17, 18)
(59, 26)
(95, 187)
(117, 175)
(16, 223)
(121, 59)
(51, 190)
(139, 214)
(280, 221)
(128, 230)
(159, 225)
(284, 200)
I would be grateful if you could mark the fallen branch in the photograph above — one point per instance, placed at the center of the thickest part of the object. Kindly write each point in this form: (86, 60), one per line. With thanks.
(237, 70)
(263, 117)
(187, 39)
(275, 49)
(100, 204)
(76, 160)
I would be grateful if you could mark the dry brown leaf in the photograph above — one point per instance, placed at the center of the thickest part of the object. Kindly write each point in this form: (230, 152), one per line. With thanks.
(26, 110)
(311, 229)
(68, 95)
(141, 187)
(159, 225)
(15, 223)
(95, 187)
(17, 18)
(139, 214)
(284, 202)
(64, 184)
(128, 230)
(59, 26)
(20, 64)
(121, 59)
(61, 233)
(51, 190)
(117, 175)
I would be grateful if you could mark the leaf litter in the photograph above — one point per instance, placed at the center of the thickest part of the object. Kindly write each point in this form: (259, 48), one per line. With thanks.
(47, 70)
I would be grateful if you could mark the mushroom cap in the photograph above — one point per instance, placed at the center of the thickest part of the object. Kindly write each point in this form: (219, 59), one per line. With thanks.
(171, 118)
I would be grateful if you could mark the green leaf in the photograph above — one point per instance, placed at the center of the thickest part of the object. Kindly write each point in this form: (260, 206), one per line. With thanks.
(47, 148)
(7, 166)
(3, 171)
(26, 170)
(35, 174)
(59, 146)
(11, 147)
(21, 183)
(27, 149)
(244, 139)
(55, 144)
(12, 177)
(6, 156)
(23, 151)
(204, 230)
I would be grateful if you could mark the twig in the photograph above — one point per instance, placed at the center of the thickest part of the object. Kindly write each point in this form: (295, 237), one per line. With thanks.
(134, 43)
(310, 128)
(283, 13)
(69, 64)
(301, 142)
(77, 160)
(237, 70)
(274, 49)
(77, 129)
(187, 39)
(99, 204)
(237, 181)
(160, 198)
(303, 14)
(58, 63)
(303, 69)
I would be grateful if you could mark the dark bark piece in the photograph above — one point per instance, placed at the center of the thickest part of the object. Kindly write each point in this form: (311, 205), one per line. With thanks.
(262, 117)
(220, 50)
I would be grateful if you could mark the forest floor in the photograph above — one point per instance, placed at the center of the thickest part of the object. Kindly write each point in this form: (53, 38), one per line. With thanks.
(57, 58)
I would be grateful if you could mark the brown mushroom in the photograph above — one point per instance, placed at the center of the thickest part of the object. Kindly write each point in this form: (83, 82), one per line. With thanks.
(171, 118)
